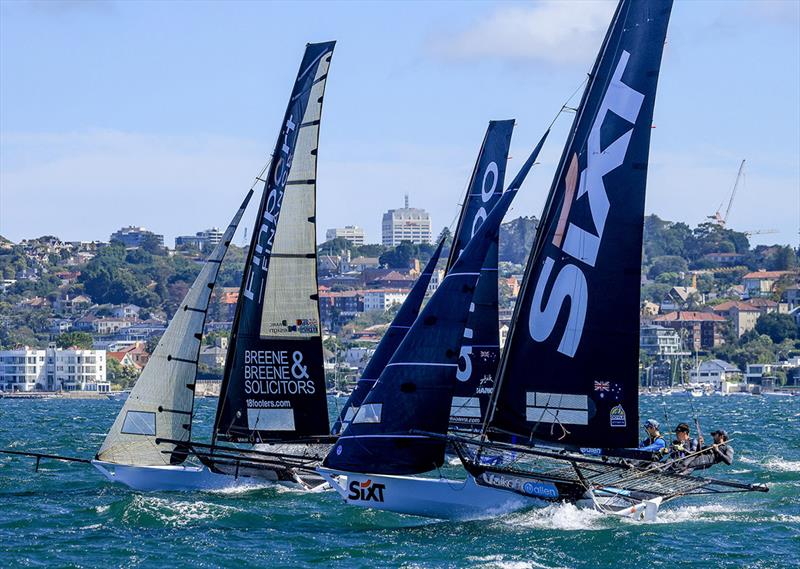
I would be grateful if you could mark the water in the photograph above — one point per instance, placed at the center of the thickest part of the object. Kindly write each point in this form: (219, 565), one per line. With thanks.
(68, 516)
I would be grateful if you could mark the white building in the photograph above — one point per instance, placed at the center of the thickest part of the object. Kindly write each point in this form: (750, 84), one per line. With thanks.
(406, 224)
(720, 374)
(203, 240)
(352, 233)
(660, 341)
(383, 299)
(53, 369)
(436, 279)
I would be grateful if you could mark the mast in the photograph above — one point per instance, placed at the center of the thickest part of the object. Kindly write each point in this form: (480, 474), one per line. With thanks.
(569, 373)
(161, 403)
(274, 382)
(479, 352)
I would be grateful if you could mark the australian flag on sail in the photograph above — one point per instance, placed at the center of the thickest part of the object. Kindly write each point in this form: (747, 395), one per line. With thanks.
(480, 349)
(274, 383)
(576, 326)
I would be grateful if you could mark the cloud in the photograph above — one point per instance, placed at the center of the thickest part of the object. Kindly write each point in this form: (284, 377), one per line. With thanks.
(550, 31)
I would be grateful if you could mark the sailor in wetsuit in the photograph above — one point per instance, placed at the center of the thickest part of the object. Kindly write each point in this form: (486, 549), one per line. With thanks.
(720, 451)
(654, 442)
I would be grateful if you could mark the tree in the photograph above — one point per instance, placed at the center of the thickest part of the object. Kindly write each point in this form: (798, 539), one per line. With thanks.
(401, 256)
(152, 342)
(778, 327)
(667, 264)
(81, 340)
(120, 376)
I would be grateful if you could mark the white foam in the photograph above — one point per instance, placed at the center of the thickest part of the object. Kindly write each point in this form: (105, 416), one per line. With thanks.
(500, 561)
(778, 464)
(559, 516)
(242, 488)
(704, 513)
(175, 513)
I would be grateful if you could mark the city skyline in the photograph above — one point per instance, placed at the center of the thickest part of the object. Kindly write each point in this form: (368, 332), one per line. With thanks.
(150, 124)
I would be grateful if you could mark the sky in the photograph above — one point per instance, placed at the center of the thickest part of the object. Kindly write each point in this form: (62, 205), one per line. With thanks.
(160, 114)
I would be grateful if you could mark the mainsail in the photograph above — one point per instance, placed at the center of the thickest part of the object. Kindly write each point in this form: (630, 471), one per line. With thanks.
(480, 349)
(570, 369)
(389, 342)
(416, 387)
(161, 402)
(274, 382)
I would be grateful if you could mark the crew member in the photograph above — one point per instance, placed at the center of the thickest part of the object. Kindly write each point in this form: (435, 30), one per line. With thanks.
(720, 451)
(683, 444)
(654, 442)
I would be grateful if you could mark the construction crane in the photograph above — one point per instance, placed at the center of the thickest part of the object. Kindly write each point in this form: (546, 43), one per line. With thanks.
(718, 218)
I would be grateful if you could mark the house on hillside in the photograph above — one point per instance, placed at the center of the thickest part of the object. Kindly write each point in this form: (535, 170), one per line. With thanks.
(679, 297)
(742, 315)
(699, 330)
(762, 283)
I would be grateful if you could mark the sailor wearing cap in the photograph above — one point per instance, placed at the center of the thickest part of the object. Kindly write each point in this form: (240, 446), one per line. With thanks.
(654, 442)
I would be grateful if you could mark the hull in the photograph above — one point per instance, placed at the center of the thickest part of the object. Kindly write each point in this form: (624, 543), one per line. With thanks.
(439, 498)
(189, 478)
(166, 478)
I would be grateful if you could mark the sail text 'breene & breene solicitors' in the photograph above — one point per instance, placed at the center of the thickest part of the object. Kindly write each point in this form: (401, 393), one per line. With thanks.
(269, 372)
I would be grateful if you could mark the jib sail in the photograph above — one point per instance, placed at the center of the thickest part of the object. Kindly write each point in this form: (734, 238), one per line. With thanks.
(274, 383)
(161, 403)
(570, 369)
(391, 339)
(480, 351)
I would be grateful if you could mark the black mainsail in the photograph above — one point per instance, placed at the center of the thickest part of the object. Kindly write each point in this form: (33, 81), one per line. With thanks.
(480, 348)
(569, 372)
(274, 383)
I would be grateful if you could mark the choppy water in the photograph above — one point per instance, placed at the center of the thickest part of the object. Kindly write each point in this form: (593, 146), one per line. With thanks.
(68, 516)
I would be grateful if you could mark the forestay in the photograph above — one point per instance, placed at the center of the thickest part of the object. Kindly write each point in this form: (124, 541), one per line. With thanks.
(479, 353)
(570, 369)
(161, 402)
(274, 382)
(389, 342)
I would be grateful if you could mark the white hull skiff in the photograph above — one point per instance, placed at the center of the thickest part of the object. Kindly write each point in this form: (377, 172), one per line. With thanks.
(168, 478)
(186, 478)
(465, 499)
(440, 498)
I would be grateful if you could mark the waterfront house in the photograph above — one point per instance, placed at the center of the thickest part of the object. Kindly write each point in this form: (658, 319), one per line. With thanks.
(700, 330)
(721, 375)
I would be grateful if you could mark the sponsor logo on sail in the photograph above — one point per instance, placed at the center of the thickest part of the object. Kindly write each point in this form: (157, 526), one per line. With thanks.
(580, 244)
(529, 487)
(368, 491)
(617, 415)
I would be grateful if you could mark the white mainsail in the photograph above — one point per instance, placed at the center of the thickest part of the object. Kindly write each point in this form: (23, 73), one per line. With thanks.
(161, 402)
(291, 304)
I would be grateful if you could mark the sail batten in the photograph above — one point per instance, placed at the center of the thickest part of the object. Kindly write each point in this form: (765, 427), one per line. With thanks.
(274, 381)
(161, 402)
